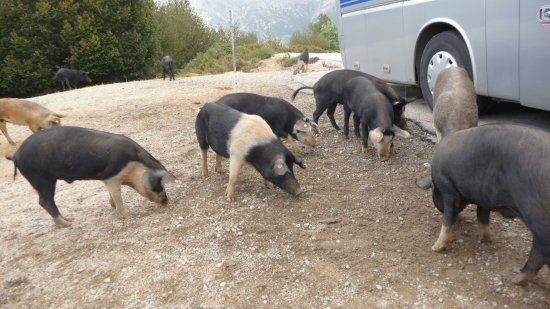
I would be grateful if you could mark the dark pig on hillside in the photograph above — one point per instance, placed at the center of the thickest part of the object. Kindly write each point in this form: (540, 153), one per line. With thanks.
(329, 91)
(285, 119)
(167, 65)
(243, 139)
(374, 112)
(74, 153)
(498, 167)
(68, 77)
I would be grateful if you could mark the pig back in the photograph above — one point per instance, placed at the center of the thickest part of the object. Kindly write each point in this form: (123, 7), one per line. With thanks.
(73, 153)
(492, 165)
(213, 127)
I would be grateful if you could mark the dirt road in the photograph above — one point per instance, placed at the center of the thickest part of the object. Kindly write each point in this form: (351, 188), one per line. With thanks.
(266, 250)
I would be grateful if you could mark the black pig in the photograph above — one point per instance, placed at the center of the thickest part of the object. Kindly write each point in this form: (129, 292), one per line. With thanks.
(502, 168)
(68, 77)
(374, 112)
(167, 65)
(244, 138)
(285, 119)
(329, 91)
(74, 153)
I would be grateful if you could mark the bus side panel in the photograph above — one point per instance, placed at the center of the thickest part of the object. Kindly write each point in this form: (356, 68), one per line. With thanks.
(503, 48)
(534, 55)
(369, 46)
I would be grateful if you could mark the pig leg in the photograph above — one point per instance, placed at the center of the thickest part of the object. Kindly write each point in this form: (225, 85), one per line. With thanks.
(46, 192)
(449, 217)
(116, 198)
(219, 168)
(204, 155)
(317, 113)
(5, 132)
(356, 125)
(483, 224)
(235, 164)
(532, 266)
(365, 134)
(347, 114)
(68, 84)
(330, 113)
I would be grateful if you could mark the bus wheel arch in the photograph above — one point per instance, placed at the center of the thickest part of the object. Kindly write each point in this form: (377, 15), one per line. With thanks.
(444, 49)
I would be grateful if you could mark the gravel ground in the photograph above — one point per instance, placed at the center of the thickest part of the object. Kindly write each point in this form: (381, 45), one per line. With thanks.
(358, 237)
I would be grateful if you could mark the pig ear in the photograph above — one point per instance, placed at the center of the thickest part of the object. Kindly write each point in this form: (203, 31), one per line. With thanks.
(167, 177)
(400, 132)
(280, 168)
(313, 125)
(376, 135)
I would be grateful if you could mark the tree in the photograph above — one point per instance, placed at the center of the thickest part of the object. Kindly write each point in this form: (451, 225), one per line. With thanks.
(113, 39)
(322, 34)
(181, 32)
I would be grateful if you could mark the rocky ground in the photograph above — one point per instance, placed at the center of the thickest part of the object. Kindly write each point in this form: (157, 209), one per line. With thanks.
(358, 237)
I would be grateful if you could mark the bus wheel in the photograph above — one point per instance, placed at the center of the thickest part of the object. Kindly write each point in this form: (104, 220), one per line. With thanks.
(445, 49)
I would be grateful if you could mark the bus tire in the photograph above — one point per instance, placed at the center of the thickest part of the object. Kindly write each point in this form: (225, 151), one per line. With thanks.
(445, 49)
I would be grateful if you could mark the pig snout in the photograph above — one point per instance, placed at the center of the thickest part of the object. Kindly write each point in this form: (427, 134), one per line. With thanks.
(311, 141)
(292, 186)
(159, 198)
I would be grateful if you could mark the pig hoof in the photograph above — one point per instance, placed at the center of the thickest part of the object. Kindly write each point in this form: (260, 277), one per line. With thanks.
(521, 279)
(123, 214)
(437, 247)
(485, 237)
(269, 185)
(61, 222)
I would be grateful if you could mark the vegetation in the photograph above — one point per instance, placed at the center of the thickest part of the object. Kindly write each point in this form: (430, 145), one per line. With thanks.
(113, 39)
(121, 40)
(319, 36)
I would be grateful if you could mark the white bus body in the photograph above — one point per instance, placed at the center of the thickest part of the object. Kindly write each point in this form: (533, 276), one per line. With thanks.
(504, 44)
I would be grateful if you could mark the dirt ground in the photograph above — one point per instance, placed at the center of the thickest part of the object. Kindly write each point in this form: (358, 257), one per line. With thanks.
(358, 237)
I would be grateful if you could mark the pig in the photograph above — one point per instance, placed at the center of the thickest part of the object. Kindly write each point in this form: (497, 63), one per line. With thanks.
(302, 62)
(68, 77)
(374, 112)
(167, 65)
(498, 167)
(26, 113)
(74, 153)
(455, 107)
(286, 121)
(245, 138)
(329, 91)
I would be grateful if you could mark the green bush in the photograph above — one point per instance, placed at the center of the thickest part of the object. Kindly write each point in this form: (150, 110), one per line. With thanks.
(113, 39)
(320, 36)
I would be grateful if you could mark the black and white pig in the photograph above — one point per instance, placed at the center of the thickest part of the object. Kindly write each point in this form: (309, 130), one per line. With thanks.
(498, 167)
(244, 138)
(68, 77)
(285, 119)
(75, 153)
(375, 114)
(167, 65)
(329, 91)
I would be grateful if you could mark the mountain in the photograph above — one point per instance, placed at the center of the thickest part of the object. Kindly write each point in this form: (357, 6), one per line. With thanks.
(277, 19)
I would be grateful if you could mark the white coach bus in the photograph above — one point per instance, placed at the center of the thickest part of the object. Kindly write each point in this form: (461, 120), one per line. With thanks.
(504, 44)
